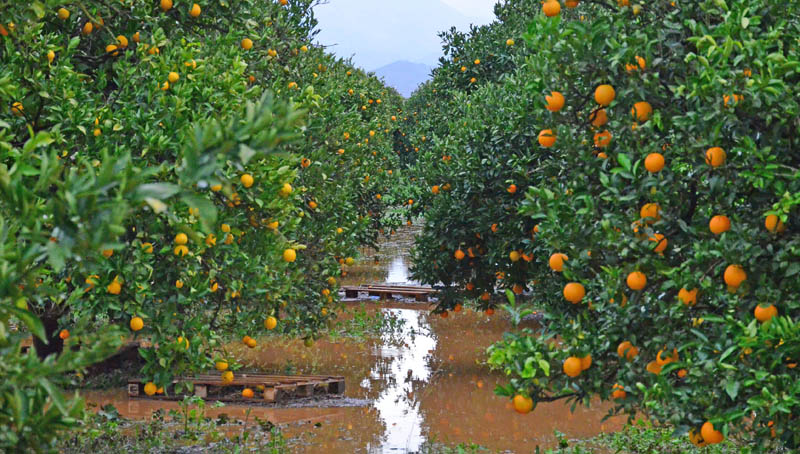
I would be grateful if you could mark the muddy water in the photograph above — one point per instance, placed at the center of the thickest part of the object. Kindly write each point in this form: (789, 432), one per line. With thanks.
(423, 382)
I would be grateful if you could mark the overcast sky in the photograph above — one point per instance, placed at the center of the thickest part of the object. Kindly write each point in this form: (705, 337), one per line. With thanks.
(378, 32)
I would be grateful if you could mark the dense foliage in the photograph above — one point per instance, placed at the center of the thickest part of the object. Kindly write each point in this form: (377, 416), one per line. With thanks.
(664, 169)
(174, 171)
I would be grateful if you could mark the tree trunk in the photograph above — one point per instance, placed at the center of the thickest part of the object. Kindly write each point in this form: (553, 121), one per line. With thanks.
(54, 343)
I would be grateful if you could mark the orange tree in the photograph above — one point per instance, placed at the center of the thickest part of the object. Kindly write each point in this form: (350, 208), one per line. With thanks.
(649, 205)
(261, 159)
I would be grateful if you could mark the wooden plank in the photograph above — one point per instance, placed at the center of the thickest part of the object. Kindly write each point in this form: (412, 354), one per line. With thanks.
(133, 389)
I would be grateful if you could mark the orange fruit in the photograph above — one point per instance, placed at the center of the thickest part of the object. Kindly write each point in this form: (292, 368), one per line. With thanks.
(150, 388)
(459, 254)
(248, 393)
(602, 139)
(626, 350)
(512, 189)
(574, 292)
(166, 5)
(650, 210)
(435, 189)
(514, 256)
(586, 362)
(555, 101)
(556, 261)
(470, 286)
(711, 435)
(490, 311)
(774, 224)
(221, 365)
(518, 289)
(522, 404)
(114, 288)
(641, 111)
(247, 44)
(227, 377)
(734, 275)
(715, 156)
(688, 297)
(618, 392)
(636, 280)
(653, 367)
(181, 239)
(270, 323)
(604, 94)
(697, 439)
(137, 323)
(654, 162)
(458, 308)
(195, 11)
(547, 138)
(247, 180)
(444, 314)
(572, 366)
(682, 373)
(571, 3)
(661, 242)
(719, 224)
(765, 312)
(289, 255)
(486, 296)
(551, 8)
(63, 13)
(63, 334)
(664, 360)
(599, 117)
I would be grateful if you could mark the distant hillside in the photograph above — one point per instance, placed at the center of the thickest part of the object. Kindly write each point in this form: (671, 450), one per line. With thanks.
(404, 76)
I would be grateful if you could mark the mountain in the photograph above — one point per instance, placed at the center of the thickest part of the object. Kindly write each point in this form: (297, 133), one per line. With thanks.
(404, 75)
(377, 33)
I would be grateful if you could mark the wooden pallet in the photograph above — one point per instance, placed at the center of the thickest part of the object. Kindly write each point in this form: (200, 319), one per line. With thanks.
(388, 291)
(275, 387)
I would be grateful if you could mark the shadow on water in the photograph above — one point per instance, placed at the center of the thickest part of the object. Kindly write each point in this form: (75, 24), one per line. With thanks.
(422, 384)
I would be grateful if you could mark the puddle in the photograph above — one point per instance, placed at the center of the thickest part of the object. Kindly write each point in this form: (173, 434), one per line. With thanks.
(425, 383)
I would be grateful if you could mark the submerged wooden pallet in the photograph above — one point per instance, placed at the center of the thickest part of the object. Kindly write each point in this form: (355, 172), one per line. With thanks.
(271, 387)
(388, 291)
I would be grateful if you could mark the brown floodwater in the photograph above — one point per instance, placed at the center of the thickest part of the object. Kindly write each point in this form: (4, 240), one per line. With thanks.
(424, 381)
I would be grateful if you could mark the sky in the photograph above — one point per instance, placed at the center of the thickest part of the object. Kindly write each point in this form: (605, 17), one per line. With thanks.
(379, 32)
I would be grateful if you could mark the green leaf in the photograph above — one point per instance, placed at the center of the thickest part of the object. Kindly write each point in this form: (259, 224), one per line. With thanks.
(624, 161)
(54, 393)
(30, 320)
(545, 366)
(732, 388)
(160, 191)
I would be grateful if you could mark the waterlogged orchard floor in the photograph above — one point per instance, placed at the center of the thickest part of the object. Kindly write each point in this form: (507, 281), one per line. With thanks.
(421, 381)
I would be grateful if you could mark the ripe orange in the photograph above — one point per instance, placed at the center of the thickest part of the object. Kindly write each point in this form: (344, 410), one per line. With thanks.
(63, 13)
(270, 323)
(435, 189)
(227, 377)
(195, 11)
(711, 435)
(661, 242)
(682, 373)
(574, 292)
(114, 288)
(602, 139)
(599, 117)
(734, 275)
(221, 366)
(664, 360)
(688, 297)
(551, 8)
(650, 210)
(486, 296)
(490, 311)
(626, 350)
(514, 256)
(518, 289)
(555, 101)
(166, 5)
(765, 312)
(586, 362)
(641, 111)
(137, 323)
(87, 28)
(289, 255)
(522, 404)
(715, 156)
(247, 44)
(653, 367)
(459, 254)
(571, 3)
(556, 261)
(150, 388)
(654, 162)
(444, 314)
(248, 393)
(572, 366)
(247, 180)
(697, 439)
(604, 94)
(181, 239)
(470, 286)
(547, 138)
(636, 280)
(719, 224)
(618, 392)
(509, 42)
(63, 334)
(774, 224)
(512, 189)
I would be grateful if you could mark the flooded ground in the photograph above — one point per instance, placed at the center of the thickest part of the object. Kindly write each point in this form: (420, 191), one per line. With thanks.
(423, 380)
